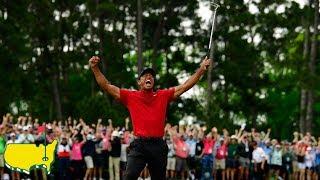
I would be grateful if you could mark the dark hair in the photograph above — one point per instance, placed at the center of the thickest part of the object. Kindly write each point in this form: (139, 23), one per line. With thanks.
(254, 143)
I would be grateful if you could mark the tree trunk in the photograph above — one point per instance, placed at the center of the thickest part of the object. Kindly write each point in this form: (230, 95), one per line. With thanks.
(101, 50)
(156, 39)
(139, 36)
(157, 34)
(303, 97)
(254, 112)
(51, 110)
(93, 81)
(303, 103)
(226, 103)
(312, 64)
(167, 63)
(101, 43)
(56, 96)
(309, 113)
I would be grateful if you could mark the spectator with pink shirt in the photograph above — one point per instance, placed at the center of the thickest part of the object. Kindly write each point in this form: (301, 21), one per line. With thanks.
(181, 151)
(76, 155)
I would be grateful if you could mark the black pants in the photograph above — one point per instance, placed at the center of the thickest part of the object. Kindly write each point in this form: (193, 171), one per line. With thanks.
(77, 166)
(63, 167)
(258, 173)
(147, 151)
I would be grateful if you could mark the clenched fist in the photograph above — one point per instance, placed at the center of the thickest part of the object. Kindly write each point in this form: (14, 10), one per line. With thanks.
(94, 61)
(206, 62)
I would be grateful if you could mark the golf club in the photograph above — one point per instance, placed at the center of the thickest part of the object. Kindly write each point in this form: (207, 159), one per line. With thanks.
(215, 7)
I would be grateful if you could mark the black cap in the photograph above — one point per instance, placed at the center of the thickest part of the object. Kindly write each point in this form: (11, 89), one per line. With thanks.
(147, 70)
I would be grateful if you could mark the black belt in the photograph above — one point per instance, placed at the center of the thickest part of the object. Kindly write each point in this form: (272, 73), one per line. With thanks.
(139, 138)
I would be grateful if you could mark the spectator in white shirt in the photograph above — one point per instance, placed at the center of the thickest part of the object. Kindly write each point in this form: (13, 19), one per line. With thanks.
(123, 155)
(191, 160)
(25, 137)
(259, 158)
(309, 161)
(63, 152)
(276, 160)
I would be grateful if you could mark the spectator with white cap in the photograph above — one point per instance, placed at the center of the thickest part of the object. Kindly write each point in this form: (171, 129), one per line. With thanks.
(191, 161)
(88, 151)
(220, 158)
(13, 139)
(26, 137)
(114, 158)
(276, 160)
(231, 163)
(63, 152)
(267, 148)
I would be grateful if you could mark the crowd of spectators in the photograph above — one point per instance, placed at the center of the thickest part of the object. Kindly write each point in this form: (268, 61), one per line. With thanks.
(99, 151)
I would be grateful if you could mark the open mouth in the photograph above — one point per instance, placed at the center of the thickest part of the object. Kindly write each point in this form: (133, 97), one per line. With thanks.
(148, 82)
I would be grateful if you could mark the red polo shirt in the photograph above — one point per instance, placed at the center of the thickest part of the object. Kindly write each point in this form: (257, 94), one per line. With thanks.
(147, 110)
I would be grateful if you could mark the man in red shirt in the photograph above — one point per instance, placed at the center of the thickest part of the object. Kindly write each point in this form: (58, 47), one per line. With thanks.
(147, 109)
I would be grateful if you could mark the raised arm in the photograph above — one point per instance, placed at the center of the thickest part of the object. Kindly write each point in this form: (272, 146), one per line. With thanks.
(266, 137)
(4, 124)
(98, 125)
(193, 79)
(104, 84)
(127, 120)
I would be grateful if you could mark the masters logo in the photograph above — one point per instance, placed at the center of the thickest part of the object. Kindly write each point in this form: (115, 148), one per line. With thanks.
(25, 157)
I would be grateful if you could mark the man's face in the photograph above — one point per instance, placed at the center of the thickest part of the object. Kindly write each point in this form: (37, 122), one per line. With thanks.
(146, 82)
